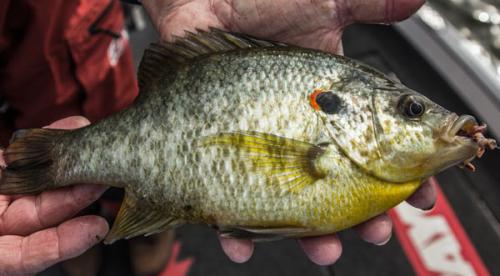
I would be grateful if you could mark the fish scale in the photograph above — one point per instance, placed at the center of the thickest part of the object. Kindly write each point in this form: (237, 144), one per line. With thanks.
(260, 139)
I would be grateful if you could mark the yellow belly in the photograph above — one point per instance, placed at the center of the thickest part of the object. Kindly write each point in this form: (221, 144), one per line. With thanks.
(358, 201)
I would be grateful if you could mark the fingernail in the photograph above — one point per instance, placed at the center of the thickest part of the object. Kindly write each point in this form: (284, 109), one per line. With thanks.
(82, 121)
(384, 242)
(429, 208)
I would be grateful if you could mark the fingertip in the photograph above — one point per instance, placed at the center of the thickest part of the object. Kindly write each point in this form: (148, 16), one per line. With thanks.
(3, 164)
(237, 250)
(377, 230)
(383, 11)
(323, 250)
(87, 193)
(71, 122)
(425, 197)
(79, 234)
(98, 227)
(49, 246)
(405, 9)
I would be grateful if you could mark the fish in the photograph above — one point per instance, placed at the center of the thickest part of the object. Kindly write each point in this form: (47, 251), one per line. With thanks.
(259, 139)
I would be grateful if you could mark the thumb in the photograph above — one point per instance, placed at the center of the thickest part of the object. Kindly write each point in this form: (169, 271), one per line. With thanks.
(70, 123)
(383, 11)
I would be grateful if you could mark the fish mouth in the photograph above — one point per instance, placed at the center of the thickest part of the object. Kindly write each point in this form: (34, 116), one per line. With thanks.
(465, 132)
(462, 129)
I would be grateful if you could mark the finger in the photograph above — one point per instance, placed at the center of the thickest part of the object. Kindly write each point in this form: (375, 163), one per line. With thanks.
(381, 11)
(377, 230)
(29, 214)
(238, 250)
(70, 123)
(309, 23)
(425, 197)
(2, 161)
(323, 250)
(173, 18)
(4, 204)
(32, 254)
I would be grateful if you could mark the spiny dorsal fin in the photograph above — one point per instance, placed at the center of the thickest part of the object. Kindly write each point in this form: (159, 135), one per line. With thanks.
(286, 163)
(162, 56)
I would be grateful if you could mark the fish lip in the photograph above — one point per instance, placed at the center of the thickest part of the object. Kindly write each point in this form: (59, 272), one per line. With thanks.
(464, 124)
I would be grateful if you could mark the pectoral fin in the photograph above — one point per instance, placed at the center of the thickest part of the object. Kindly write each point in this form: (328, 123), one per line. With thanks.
(288, 163)
(134, 220)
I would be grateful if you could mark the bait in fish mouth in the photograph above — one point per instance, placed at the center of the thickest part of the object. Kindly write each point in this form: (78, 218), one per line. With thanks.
(260, 139)
(476, 133)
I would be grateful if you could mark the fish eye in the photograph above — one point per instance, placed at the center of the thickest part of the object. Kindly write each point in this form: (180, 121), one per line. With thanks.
(328, 102)
(412, 107)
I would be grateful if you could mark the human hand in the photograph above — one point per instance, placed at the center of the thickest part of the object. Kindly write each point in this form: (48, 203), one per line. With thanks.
(308, 23)
(39, 231)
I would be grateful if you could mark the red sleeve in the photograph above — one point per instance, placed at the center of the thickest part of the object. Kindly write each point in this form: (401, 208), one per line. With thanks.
(4, 5)
(52, 66)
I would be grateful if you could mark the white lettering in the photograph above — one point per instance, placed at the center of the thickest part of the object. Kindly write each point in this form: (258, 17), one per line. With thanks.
(434, 241)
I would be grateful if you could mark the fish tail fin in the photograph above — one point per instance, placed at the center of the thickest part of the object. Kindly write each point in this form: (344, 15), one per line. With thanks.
(28, 161)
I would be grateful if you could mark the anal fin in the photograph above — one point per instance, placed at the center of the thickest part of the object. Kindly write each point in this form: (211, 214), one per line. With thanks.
(135, 220)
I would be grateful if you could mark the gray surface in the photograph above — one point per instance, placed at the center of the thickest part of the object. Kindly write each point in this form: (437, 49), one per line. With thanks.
(464, 75)
(141, 39)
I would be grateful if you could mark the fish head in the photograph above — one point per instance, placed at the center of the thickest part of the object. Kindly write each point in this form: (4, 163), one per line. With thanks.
(418, 138)
(397, 134)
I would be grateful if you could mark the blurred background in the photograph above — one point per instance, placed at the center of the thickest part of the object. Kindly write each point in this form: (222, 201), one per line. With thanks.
(450, 52)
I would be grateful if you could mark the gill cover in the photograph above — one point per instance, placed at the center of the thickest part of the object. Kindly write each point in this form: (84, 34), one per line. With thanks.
(406, 136)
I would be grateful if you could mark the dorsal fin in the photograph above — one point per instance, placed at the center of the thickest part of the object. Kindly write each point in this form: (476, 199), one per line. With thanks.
(163, 56)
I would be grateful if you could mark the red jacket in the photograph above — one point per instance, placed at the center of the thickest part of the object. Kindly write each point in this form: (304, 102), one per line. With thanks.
(60, 58)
